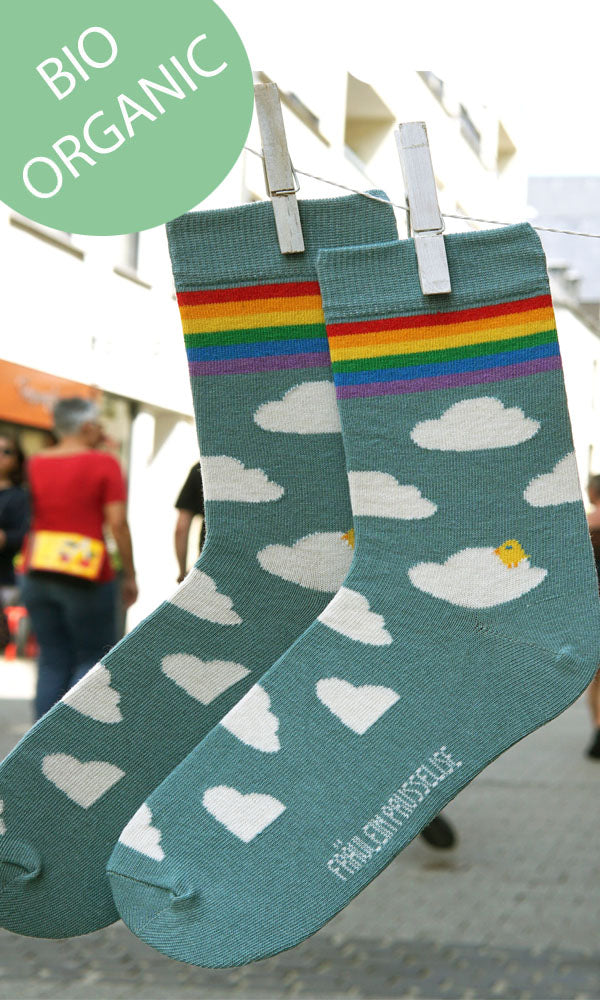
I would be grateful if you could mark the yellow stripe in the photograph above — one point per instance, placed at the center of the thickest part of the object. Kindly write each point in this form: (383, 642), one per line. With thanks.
(223, 310)
(251, 321)
(383, 349)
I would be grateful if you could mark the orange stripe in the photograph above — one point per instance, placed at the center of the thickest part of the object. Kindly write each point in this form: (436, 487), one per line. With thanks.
(519, 324)
(235, 309)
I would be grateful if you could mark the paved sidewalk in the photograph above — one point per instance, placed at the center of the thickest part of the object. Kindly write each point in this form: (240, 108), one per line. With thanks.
(512, 912)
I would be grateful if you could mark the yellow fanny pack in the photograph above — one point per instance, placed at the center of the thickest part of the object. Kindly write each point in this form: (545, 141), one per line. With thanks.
(66, 552)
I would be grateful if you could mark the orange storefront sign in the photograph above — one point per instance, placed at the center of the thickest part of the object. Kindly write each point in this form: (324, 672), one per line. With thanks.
(28, 396)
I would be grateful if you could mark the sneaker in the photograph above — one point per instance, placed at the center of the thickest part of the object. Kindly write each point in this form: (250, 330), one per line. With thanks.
(440, 834)
(594, 749)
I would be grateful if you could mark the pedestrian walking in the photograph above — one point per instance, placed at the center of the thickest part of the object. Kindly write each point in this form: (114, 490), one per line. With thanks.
(14, 518)
(190, 504)
(77, 490)
(593, 691)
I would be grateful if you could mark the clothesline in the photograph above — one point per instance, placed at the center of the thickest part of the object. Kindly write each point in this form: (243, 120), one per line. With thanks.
(446, 215)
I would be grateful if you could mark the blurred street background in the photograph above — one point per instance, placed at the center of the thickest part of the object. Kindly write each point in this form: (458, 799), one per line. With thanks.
(513, 911)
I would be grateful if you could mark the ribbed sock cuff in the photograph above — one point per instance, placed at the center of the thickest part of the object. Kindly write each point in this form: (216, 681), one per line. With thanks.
(238, 246)
(386, 337)
(497, 265)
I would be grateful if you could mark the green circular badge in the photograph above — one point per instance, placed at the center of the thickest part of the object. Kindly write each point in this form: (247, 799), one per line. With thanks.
(119, 116)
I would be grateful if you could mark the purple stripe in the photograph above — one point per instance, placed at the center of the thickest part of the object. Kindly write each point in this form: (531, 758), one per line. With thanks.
(281, 362)
(448, 381)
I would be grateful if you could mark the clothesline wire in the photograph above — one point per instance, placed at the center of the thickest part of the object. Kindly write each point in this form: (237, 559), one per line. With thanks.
(446, 215)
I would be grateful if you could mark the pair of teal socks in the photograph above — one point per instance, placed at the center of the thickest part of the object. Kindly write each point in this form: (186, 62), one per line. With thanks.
(427, 589)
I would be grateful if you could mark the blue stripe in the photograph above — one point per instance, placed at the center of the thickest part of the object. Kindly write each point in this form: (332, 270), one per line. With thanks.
(446, 367)
(261, 349)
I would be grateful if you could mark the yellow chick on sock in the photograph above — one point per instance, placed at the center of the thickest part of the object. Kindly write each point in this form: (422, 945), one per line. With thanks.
(511, 553)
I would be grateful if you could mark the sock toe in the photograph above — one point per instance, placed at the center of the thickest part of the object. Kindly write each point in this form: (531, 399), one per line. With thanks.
(141, 903)
(20, 867)
(19, 863)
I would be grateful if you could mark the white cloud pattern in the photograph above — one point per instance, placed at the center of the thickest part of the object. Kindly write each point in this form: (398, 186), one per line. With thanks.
(252, 721)
(349, 613)
(319, 561)
(559, 486)
(475, 424)
(140, 835)
(93, 696)
(226, 478)
(198, 594)
(379, 494)
(358, 708)
(476, 578)
(84, 782)
(203, 680)
(308, 408)
(243, 815)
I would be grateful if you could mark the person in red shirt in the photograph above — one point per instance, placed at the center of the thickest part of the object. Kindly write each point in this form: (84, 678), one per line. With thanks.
(69, 588)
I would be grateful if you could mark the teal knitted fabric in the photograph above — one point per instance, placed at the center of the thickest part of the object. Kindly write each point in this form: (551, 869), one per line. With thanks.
(469, 617)
(277, 548)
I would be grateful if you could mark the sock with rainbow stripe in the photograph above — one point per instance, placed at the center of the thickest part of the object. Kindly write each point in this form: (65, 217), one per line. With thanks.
(278, 516)
(469, 617)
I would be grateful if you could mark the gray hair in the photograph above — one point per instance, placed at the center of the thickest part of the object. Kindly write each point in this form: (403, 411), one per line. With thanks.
(70, 414)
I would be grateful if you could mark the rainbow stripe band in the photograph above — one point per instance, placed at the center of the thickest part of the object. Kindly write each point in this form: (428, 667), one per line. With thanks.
(255, 328)
(403, 354)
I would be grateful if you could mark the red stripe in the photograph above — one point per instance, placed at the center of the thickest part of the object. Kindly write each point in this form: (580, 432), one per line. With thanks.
(248, 292)
(438, 319)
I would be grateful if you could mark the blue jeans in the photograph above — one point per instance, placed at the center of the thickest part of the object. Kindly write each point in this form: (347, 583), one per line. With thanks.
(74, 625)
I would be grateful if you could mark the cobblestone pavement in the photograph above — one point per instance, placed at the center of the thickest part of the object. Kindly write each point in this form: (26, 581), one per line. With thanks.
(512, 912)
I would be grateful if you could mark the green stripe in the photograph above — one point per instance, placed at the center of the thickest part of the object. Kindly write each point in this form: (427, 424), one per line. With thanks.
(450, 354)
(258, 335)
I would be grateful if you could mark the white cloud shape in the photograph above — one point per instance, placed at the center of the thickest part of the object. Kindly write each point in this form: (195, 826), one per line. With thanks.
(476, 578)
(198, 594)
(319, 561)
(473, 424)
(379, 494)
(349, 613)
(140, 835)
(252, 721)
(84, 782)
(559, 486)
(357, 707)
(226, 478)
(203, 680)
(93, 696)
(243, 815)
(308, 408)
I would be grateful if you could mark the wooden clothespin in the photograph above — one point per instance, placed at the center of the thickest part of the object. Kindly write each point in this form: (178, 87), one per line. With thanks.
(279, 173)
(425, 222)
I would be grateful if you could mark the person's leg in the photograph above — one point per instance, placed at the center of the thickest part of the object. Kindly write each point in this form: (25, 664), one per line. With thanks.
(593, 696)
(56, 659)
(91, 618)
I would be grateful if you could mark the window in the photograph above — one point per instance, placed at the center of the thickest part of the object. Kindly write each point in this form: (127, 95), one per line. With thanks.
(434, 83)
(131, 251)
(56, 237)
(468, 130)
